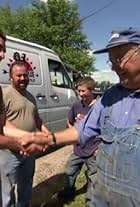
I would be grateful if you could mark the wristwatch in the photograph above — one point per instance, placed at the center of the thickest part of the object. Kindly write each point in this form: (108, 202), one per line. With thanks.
(53, 142)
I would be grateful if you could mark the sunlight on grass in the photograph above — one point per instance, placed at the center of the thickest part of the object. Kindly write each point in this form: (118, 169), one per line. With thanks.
(79, 200)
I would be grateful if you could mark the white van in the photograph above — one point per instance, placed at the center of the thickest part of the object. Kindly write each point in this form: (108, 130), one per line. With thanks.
(49, 81)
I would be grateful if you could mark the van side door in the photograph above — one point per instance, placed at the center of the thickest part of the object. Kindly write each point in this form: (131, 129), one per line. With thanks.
(61, 94)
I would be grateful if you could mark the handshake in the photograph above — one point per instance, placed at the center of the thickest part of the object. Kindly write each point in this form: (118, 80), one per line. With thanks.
(29, 142)
(32, 142)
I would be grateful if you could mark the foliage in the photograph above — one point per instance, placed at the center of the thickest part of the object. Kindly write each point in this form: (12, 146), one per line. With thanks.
(55, 24)
(6, 20)
(103, 85)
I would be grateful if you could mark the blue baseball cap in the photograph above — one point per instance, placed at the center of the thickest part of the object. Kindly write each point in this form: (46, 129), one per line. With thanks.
(121, 37)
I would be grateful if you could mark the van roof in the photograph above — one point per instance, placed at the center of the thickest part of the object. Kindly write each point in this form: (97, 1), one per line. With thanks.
(30, 43)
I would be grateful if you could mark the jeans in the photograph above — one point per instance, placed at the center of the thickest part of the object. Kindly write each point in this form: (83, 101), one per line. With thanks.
(16, 175)
(75, 164)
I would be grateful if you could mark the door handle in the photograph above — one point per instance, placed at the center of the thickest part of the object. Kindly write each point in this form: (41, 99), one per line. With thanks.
(54, 96)
(39, 96)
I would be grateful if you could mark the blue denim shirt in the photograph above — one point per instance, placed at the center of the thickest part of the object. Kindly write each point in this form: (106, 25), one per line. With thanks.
(125, 112)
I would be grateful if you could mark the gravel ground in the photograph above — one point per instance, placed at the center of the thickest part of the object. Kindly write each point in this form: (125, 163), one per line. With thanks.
(49, 174)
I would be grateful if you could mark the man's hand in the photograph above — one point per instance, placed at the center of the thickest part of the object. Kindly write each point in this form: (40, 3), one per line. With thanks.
(35, 138)
(96, 152)
(79, 117)
(45, 130)
(30, 149)
(27, 140)
(14, 144)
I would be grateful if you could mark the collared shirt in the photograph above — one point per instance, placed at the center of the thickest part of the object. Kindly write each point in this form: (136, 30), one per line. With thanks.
(80, 108)
(125, 112)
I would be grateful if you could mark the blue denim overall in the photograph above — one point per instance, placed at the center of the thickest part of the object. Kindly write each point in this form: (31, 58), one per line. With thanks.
(118, 164)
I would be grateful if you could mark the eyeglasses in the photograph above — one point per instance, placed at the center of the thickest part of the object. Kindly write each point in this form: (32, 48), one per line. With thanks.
(118, 61)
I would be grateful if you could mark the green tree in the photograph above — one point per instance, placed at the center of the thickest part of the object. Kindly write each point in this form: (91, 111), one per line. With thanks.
(55, 24)
(6, 20)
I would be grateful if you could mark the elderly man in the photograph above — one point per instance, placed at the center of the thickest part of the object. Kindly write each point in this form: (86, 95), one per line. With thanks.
(116, 119)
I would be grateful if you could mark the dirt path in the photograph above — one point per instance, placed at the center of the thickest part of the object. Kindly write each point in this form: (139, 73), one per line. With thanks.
(49, 174)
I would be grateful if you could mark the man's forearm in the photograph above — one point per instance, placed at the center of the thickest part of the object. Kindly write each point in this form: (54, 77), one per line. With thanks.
(13, 131)
(4, 141)
(67, 136)
(10, 143)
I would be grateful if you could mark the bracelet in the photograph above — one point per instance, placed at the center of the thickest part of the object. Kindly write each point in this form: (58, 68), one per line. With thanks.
(53, 139)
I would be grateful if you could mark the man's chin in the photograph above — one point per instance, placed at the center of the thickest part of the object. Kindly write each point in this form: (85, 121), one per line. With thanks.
(124, 83)
(22, 88)
(130, 85)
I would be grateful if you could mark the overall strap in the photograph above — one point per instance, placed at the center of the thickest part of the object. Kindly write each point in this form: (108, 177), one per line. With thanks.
(106, 115)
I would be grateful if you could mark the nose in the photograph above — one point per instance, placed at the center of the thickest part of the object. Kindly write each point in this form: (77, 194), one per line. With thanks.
(81, 94)
(22, 77)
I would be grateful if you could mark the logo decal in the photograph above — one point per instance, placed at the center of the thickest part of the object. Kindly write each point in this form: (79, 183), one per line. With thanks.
(29, 64)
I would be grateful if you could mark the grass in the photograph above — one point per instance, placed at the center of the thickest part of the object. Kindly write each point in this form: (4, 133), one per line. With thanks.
(79, 199)
(80, 193)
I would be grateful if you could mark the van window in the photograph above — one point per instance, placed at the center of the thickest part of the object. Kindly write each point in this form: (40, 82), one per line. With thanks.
(59, 76)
